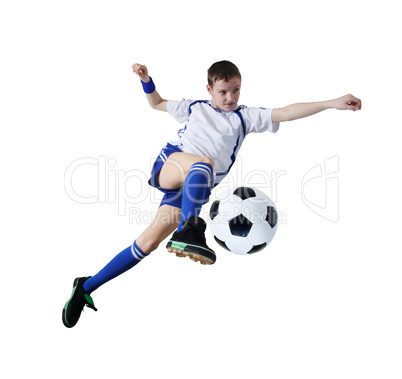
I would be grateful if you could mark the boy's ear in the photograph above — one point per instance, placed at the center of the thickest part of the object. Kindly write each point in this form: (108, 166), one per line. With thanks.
(209, 89)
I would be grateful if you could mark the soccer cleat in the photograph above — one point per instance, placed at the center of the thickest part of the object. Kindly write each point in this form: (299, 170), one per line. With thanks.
(75, 305)
(190, 242)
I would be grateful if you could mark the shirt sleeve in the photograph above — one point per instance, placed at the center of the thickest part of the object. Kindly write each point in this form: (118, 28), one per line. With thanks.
(259, 120)
(179, 109)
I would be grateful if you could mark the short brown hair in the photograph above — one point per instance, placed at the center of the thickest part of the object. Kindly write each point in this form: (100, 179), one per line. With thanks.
(223, 70)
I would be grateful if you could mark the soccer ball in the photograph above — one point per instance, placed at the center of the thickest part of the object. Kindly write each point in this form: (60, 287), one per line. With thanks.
(243, 220)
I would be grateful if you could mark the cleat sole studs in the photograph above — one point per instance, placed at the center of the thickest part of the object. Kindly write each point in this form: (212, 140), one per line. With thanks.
(192, 256)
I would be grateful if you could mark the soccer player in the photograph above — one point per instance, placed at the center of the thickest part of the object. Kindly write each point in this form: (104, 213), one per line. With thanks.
(189, 167)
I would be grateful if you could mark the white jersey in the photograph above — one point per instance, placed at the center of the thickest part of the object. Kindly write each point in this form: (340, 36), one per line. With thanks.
(215, 133)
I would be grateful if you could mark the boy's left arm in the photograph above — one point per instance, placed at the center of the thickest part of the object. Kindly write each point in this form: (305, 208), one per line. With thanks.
(300, 110)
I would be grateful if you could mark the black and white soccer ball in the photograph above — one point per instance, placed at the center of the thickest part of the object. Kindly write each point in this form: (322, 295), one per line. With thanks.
(243, 220)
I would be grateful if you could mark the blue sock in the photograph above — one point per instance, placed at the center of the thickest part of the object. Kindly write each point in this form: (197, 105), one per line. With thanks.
(122, 262)
(194, 189)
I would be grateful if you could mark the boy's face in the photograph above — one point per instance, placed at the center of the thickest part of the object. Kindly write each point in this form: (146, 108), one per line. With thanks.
(225, 95)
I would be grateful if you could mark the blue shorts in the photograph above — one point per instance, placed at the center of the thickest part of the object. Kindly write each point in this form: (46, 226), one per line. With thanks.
(171, 197)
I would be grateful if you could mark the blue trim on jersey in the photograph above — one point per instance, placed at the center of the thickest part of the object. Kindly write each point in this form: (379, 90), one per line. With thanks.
(182, 130)
(242, 122)
(193, 103)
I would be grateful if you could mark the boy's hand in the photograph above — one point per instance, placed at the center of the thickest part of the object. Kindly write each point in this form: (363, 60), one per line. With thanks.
(347, 102)
(141, 71)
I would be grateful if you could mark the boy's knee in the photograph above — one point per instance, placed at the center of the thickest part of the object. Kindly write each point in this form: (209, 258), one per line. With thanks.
(148, 245)
(207, 160)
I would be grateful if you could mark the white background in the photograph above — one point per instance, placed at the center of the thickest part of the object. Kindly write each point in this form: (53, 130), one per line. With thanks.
(322, 301)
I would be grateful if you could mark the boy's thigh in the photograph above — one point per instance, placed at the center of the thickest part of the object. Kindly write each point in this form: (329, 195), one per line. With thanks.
(176, 168)
(165, 222)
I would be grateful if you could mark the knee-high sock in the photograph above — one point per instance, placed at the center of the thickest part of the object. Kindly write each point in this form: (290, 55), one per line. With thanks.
(122, 262)
(194, 189)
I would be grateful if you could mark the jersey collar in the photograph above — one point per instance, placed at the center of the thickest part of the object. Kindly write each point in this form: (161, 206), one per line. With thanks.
(209, 102)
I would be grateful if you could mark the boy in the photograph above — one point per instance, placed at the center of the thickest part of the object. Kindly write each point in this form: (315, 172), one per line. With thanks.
(187, 169)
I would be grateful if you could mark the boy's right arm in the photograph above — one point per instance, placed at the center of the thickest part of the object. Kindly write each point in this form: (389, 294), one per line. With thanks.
(154, 99)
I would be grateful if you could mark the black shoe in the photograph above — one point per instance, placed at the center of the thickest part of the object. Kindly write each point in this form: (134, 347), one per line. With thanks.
(74, 306)
(190, 242)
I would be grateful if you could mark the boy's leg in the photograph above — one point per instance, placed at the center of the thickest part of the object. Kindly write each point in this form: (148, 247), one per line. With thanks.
(176, 168)
(165, 222)
(194, 174)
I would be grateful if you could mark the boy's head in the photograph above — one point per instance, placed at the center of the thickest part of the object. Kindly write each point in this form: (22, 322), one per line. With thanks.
(224, 81)
(223, 70)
